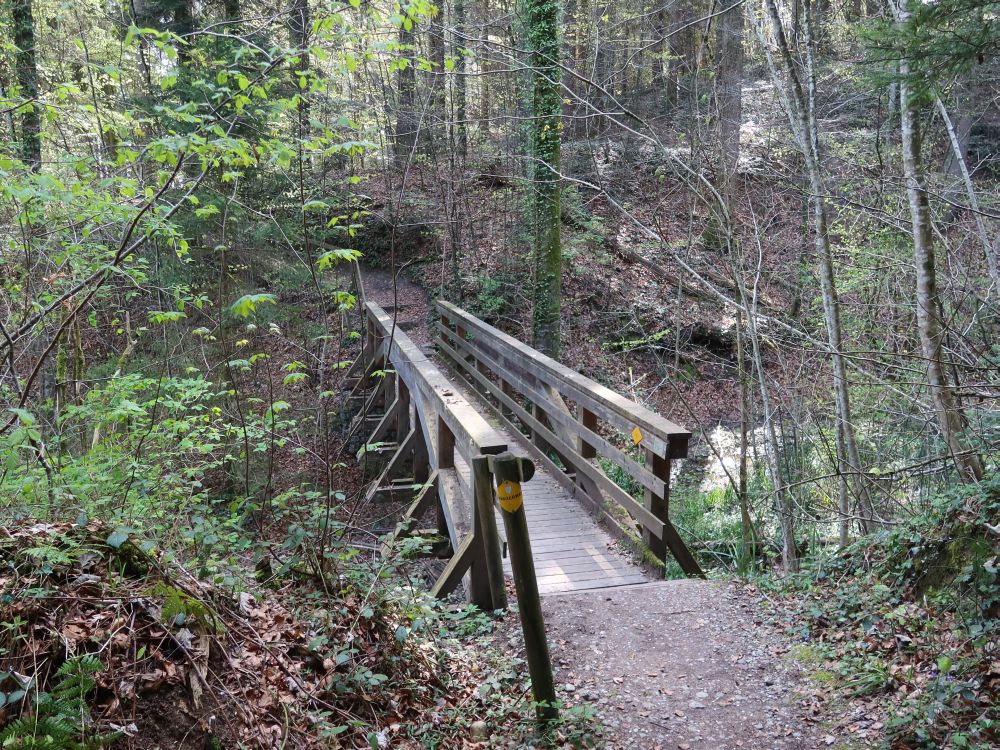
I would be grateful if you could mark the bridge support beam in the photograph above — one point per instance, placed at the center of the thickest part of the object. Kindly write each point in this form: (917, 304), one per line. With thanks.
(659, 506)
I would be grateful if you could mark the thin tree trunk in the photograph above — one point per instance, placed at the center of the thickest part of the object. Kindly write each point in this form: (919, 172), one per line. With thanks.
(802, 119)
(729, 92)
(748, 534)
(232, 10)
(406, 86)
(961, 167)
(437, 104)
(299, 27)
(930, 328)
(460, 92)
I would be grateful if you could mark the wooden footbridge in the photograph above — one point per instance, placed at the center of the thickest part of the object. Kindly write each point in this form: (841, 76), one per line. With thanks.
(602, 461)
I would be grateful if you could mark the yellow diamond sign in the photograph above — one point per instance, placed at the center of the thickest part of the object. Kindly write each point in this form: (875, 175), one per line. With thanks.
(509, 494)
(636, 435)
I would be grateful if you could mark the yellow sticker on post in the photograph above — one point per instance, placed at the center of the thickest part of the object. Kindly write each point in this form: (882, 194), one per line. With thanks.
(636, 436)
(509, 494)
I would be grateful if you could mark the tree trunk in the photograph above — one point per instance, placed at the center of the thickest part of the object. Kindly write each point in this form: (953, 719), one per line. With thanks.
(460, 137)
(26, 70)
(184, 28)
(299, 27)
(930, 327)
(729, 92)
(802, 118)
(232, 10)
(959, 166)
(406, 86)
(541, 29)
(436, 106)
(681, 50)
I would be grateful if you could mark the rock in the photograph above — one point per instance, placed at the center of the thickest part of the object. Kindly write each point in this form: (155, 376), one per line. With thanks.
(569, 687)
(479, 731)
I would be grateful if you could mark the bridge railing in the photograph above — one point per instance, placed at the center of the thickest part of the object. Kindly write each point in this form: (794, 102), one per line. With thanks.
(435, 443)
(572, 422)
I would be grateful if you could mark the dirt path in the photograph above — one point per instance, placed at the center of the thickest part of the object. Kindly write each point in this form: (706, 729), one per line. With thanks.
(682, 664)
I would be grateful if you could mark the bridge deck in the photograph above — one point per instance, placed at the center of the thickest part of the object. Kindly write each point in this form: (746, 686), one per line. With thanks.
(570, 549)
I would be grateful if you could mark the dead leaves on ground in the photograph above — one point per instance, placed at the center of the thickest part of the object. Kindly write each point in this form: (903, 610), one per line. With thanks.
(185, 662)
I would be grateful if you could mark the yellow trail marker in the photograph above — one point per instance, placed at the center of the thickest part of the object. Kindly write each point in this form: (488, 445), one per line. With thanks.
(636, 435)
(510, 496)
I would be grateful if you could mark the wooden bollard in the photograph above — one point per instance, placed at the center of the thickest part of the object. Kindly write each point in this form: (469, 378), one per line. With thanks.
(486, 529)
(509, 472)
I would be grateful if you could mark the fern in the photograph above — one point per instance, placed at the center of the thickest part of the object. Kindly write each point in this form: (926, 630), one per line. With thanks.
(61, 718)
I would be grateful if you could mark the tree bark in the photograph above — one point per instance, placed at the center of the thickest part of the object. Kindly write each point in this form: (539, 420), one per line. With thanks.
(951, 421)
(541, 28)
(729, 92)
(435, 141)
(460, 137)
(300, 27)
(802, 118)
(960, 166)
(26, 70)
(406, 86)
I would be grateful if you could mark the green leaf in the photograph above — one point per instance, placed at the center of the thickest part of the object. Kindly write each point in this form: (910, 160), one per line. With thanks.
(247, 304)
(26, 417)
(165, 316)
(118, 538)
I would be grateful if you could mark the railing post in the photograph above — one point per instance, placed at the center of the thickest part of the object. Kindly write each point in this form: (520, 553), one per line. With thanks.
(488, 590)
(445, 460)
(509, 472)
(402, 409)
(446, 445)
(589, 420)
(657, 505)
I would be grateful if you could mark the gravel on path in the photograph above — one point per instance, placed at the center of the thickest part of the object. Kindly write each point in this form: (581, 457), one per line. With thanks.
(682, 664)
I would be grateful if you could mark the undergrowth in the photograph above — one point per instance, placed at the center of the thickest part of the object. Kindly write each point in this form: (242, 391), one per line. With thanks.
(907, 619)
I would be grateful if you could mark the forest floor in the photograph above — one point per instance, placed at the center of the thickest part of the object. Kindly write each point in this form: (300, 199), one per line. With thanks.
(683, 664)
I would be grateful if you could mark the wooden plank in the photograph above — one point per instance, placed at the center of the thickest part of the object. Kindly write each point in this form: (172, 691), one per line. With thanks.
(616, 493)
(584, 567)
(421, 503)
(565, 586)
(457, 567)
(602, 400)
(595, 579)
(456, 509)
(382, 428)
(572, 554)
(395, 466)
(580, 433)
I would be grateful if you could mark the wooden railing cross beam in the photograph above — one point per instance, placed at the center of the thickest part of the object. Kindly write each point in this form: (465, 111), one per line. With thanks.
(529, 392)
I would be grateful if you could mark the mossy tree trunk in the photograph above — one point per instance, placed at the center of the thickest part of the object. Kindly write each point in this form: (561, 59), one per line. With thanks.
(25, 62)
(541, 24)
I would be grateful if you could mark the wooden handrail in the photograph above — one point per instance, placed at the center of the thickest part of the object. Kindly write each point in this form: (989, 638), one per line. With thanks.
(529, 391)
(433, 424)
(659, 434)
(472, 434)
